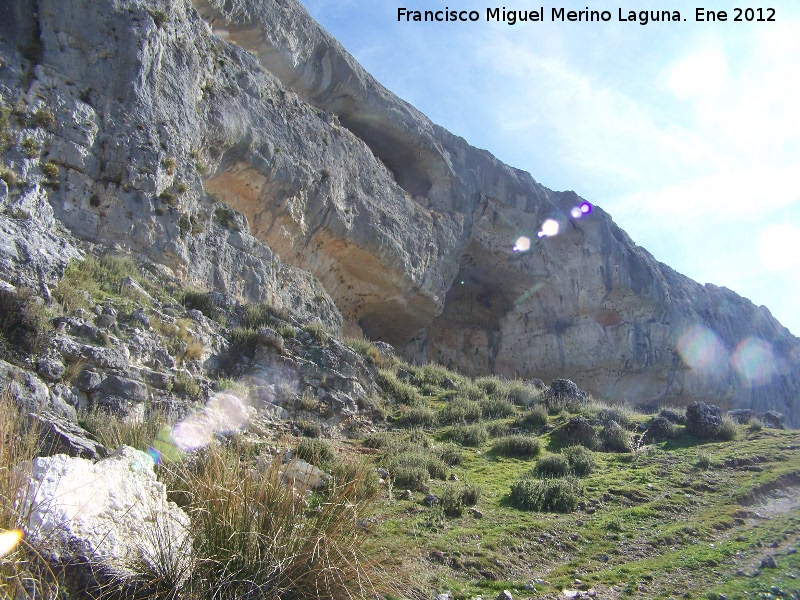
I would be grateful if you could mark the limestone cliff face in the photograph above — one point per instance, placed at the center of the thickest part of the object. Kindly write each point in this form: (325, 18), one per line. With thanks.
(408, 229)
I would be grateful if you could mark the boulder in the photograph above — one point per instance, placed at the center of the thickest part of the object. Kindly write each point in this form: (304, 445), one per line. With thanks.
(579, 431)
(773, 419)
(61, 436)
(703, 420)
(661, 428)
(742, 415)
(565, 389)
(104, 519)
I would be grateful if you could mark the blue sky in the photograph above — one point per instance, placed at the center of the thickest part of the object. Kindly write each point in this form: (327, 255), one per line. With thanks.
(687, 133)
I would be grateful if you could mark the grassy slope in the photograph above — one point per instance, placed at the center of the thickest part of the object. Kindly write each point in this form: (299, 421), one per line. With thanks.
(681, 517)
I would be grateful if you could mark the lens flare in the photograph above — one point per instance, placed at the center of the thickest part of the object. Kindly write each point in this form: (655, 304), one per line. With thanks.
(9, 541)
(576, 213)
(523, 244)
(702, 350)
(754, 361)
(549, 228)
(586, 208)
(223, 414)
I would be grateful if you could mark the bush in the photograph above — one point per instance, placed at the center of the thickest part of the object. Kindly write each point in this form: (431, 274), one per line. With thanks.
(23, 322)
(402, 392)
(469, 435)
(310, 429)
(455, 497)
(614, 438)
(433, 375)
(552, 465)
(497, 407)
(546, 495)
(581, 460)
(316, 452)
(729, 429)
(522, 394)
(450, 454)
(535, 418)
(491, 385)
(520, 446)
(318, 331)
(381, 439)
(225, 216)
(419, 417)
(199, 300)
(410, 477)
(461, 410)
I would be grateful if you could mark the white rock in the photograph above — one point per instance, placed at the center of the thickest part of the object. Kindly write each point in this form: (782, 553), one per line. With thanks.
(113, 513)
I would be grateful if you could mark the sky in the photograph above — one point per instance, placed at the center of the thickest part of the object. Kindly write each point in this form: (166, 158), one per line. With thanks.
(687, 133)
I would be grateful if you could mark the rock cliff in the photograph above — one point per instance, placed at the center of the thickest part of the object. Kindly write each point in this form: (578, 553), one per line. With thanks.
(349, 206)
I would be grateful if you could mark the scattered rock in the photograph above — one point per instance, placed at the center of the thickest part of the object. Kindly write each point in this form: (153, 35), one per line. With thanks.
(773, 420)
(102, 518)
(505, 595)
(476, 513)
(768, 563)
(579, 431)
(742, 415)
(408, 495)
(61, 436)
(703, 420)
(565, 389)
(431, 499)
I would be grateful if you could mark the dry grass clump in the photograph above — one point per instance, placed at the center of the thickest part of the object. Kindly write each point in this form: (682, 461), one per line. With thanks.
(257, 538)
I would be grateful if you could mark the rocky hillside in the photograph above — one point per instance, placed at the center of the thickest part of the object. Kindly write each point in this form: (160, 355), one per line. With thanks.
(236, 146)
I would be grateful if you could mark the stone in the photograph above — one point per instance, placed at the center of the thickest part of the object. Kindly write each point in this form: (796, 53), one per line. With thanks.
(773, 420)
(742, 415)
(703, 420)
(505, 595)
(476, 513)
(50, 368)
(431, 499)
(122, 387)
(672, 416)
(660, 428)
(579, 431)
(107, 516)
(62, 436)
(565, 389)
(408, 495)
(768, 563)
(88, 380)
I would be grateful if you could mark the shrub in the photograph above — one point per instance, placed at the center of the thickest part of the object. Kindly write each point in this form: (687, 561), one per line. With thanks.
(112, 431)
(662, 428)
(552, 465)
(317, 452)
(318, 331)
(581, 460)
(755, 424)
(450, 454)
(381, 439)
(521, 394)
(469, 435)
(411, 477)
(614, 438)
(402, 392)
(469, 390)
(50, 170)
(225, 216)
(703, 460)
(491, 385)
(23, 322)
(194, 299)
(43, 118)
(419, 417)
(496, 407)
(187, 385)
(534, 418)
(259, 315)
(546, 495)
(310, 429)
(729, 429)
(433, 375)
(461, 410)
(455, 497)
(521, 446)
